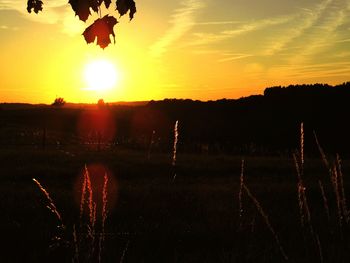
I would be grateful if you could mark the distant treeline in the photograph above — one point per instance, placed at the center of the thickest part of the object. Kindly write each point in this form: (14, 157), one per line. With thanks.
(260, 124)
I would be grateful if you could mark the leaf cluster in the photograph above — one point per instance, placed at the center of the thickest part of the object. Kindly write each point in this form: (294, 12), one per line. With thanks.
(102, 28)
(35, 5)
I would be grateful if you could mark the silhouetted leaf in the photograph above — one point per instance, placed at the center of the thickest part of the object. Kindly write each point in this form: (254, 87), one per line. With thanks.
(94, 4)
(107, 3)
(123, 6)
(37, 5)
(101, 29)
(81, 8)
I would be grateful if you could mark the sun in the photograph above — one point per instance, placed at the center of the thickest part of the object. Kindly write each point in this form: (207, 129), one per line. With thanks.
(101, 75)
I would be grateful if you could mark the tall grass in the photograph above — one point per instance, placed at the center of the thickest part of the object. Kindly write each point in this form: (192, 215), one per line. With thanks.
(88, 237)
(244, 187)
(343, 202)
(176, 138)
(325, 200)
(266, 220)
(87, 243)
(304, 209)
(337, 181)
(50, 203)
(240, 194)
(176, 135)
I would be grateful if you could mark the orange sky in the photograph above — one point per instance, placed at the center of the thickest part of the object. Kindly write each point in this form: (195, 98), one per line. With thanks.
(176, 49)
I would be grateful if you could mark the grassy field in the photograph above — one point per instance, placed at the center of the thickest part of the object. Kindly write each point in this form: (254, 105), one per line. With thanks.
(155, 216)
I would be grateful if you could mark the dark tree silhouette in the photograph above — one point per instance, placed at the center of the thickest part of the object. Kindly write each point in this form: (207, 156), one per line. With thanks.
(101, 103)
(59, 102)
(260, 125)
(100, 29)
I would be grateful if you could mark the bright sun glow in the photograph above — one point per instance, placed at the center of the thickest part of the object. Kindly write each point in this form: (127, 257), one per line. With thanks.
(101, 75)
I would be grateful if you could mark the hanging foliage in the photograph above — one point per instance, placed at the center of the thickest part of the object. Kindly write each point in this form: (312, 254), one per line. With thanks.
(102, 29)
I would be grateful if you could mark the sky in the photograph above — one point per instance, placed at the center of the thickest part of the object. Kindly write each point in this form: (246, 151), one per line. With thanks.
(196, 49)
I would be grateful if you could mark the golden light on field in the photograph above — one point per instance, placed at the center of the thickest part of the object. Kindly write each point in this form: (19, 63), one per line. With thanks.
(101, 75)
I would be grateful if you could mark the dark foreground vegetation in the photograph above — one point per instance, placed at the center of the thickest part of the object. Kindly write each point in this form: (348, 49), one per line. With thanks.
(286, 202)
(154, 217)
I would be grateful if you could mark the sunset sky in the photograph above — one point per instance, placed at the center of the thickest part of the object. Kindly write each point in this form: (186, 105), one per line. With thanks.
(197, 49)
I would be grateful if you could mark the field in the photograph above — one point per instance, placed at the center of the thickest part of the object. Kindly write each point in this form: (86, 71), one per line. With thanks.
(155, 216)
(109, 186)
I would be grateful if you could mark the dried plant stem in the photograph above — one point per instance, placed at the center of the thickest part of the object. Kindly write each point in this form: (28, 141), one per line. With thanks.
(319, 247)
(124, 252)
(337, 195)
(323, 155)
(103, 215)
(336, 176)
(104, 201)
(300, 190)
(342, 190)
(306, 204)
(90, 198)
(176, 135)
(76, 246)
(92, 213)
(100, 247)
(94, 217)
(302, 141)
(51, 205)
(305, 214)
(252, 224)
(83, 193)
(266, 219)
(325, 200)
(240, 211)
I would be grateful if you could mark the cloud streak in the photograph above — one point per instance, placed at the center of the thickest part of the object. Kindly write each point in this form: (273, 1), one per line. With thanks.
(306, 20)
(54, 12)
(289, 47)
(323, 32)
(182, 20)
(231, 57)
(243, 28)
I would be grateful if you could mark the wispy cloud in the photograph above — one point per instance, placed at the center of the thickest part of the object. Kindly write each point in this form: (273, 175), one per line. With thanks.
(290, 46)
(54, 12)
(181, 22)
(344, 40)
(210, 23)
(204, 38)
(257, 25)
(304, 21)
(323, 32)
(336, 69)
(5, 27)
(232, 56)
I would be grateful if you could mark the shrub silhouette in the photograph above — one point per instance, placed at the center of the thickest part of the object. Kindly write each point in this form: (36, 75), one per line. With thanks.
(59, 102)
